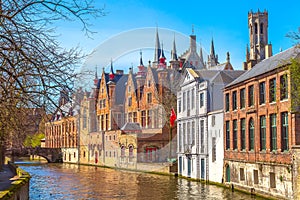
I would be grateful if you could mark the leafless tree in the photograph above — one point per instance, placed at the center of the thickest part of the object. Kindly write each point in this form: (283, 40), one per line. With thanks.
(33, 67)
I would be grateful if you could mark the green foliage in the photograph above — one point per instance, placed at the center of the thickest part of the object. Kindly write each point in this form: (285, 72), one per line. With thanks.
(33, 140)
(294, 69)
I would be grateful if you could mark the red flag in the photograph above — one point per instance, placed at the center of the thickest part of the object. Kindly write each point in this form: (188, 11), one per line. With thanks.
(172, 117)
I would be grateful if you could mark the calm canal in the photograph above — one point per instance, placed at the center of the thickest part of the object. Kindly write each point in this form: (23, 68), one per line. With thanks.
(66, 181)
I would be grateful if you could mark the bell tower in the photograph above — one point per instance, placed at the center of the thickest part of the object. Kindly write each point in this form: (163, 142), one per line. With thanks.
(258, 35)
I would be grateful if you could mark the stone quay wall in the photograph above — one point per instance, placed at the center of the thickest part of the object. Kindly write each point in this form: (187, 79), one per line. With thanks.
(19, 188)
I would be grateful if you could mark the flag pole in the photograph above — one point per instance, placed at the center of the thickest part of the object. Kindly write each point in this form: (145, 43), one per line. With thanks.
(170, 142)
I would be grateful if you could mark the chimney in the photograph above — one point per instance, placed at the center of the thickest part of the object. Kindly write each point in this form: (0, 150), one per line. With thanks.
(119, 72)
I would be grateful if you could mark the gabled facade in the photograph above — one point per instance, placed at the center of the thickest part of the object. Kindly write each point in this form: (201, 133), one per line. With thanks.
(200, 133)
(143, 95)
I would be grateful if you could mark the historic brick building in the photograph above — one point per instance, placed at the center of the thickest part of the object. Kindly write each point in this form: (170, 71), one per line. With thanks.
(62, 130)
(259, 128)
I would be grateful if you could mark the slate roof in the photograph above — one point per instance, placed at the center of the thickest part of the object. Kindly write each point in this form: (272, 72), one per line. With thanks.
(131, 127)
(269, 64)
(218, 76)
(120, 88)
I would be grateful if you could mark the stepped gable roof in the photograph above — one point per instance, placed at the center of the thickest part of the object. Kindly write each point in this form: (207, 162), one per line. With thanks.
(134, 82)
(154, 72)
(269, 64)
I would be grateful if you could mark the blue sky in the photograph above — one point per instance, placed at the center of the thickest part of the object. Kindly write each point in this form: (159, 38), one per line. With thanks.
(224, 21)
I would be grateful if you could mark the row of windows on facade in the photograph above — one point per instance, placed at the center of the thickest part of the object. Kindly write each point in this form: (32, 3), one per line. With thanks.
(262, 94)
(113, 153)
(188, 101)
(149, 99)
(142, 87)
(61, 142)
(272, 180)
(272, 133)
(70, 155)
(64, 127)
(186, 136)
(261, 28)
(148, 119)
(107, 153)
(129, 101)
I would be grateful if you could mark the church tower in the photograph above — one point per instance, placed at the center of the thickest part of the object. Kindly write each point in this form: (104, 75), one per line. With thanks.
(258, 35)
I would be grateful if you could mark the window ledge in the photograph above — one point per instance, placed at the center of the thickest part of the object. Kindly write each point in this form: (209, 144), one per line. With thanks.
(284, 100)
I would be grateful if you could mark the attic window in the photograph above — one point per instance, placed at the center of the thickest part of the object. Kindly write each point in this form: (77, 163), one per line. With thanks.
(187, 77)
(149, 98)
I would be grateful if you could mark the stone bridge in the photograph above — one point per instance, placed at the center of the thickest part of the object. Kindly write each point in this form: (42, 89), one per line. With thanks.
(52, 155)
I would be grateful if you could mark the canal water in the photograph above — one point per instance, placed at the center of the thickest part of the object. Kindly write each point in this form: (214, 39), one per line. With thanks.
(68, 181)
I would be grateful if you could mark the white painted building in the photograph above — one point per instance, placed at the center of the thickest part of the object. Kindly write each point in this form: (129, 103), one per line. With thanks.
(200, 123)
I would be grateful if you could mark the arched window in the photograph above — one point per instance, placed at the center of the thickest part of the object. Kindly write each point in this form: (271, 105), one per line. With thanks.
(251, 134)
(123, 151)
(251, 29)
(130, 153)
(261, 28)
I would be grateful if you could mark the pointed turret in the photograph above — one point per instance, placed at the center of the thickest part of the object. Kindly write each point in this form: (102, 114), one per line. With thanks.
(212, 49)
(162, 59)
(111, 73)
(141, 59)
(174, 62)
(228, 65)
(157, 51)
(141, 69)
(96, 77)
(201, 56)
(173, 52)
(212, 58)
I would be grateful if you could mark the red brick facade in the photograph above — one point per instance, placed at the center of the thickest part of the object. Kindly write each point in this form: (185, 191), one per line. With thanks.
(255, 112)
